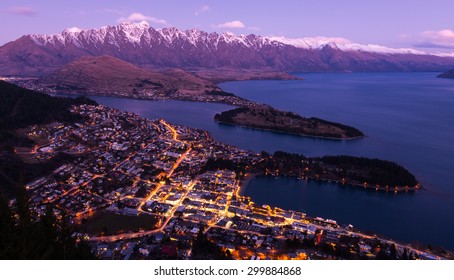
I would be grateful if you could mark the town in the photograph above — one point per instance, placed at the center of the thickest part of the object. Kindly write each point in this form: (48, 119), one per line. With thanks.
(148, 184)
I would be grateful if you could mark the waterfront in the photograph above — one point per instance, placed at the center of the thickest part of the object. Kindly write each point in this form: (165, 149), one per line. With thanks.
(404, 217)
(397, 113)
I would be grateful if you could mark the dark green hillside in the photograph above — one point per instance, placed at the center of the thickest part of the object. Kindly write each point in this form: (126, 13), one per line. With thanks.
(19, 108)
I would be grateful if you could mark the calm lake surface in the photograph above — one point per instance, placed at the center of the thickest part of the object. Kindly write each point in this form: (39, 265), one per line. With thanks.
(407, 117)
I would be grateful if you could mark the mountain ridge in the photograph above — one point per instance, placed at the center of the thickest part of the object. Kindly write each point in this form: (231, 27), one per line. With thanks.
(146, 47)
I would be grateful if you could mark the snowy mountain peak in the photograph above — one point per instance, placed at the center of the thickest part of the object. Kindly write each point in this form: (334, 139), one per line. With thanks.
(137, 24)
(144, 23)
(133, 31)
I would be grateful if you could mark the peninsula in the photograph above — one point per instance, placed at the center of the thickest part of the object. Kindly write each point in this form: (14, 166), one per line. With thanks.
(377, 174)
(447, 75)
(267, 118)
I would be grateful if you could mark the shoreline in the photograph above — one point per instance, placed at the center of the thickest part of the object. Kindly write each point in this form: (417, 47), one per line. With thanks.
(88, 95)
(230, 100)
(245, 181)
(289, 133)
(396, 189)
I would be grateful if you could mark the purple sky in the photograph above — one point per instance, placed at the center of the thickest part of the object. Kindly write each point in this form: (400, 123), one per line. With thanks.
(426, 25)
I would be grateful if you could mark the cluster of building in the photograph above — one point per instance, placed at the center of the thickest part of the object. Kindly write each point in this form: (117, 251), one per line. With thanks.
(119, 163)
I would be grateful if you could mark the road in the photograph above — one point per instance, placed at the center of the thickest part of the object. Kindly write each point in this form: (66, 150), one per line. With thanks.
(151, 194)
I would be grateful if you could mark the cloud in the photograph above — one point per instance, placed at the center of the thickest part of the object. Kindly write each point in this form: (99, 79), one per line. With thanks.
(138, 17)
(203, 9)
(231, 24)
(435, 39)
(22, 11)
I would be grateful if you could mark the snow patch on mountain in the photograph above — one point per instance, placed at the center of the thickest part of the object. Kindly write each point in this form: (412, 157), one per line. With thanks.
(319, 43)
(143, 33)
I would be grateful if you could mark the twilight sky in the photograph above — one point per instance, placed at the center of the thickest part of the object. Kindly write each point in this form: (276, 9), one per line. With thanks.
(426, 25)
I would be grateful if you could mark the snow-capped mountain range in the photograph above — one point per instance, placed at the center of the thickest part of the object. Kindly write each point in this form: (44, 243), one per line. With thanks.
(144, 46)
(137, 33)
(342, 44)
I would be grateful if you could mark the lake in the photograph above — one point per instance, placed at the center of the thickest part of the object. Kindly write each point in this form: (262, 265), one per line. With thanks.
(407, 117)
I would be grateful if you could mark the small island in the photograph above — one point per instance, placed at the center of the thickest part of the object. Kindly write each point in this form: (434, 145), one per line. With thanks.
(267, 118)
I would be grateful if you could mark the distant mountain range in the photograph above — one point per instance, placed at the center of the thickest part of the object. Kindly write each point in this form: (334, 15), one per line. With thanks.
(195, 50)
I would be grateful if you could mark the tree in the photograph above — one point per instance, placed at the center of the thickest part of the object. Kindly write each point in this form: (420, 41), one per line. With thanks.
(393, 253)
(405, 254)
(104, 231)
(202, 248)
(49, 238)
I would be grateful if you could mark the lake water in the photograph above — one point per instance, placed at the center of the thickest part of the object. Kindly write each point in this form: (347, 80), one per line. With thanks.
(407, 117)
